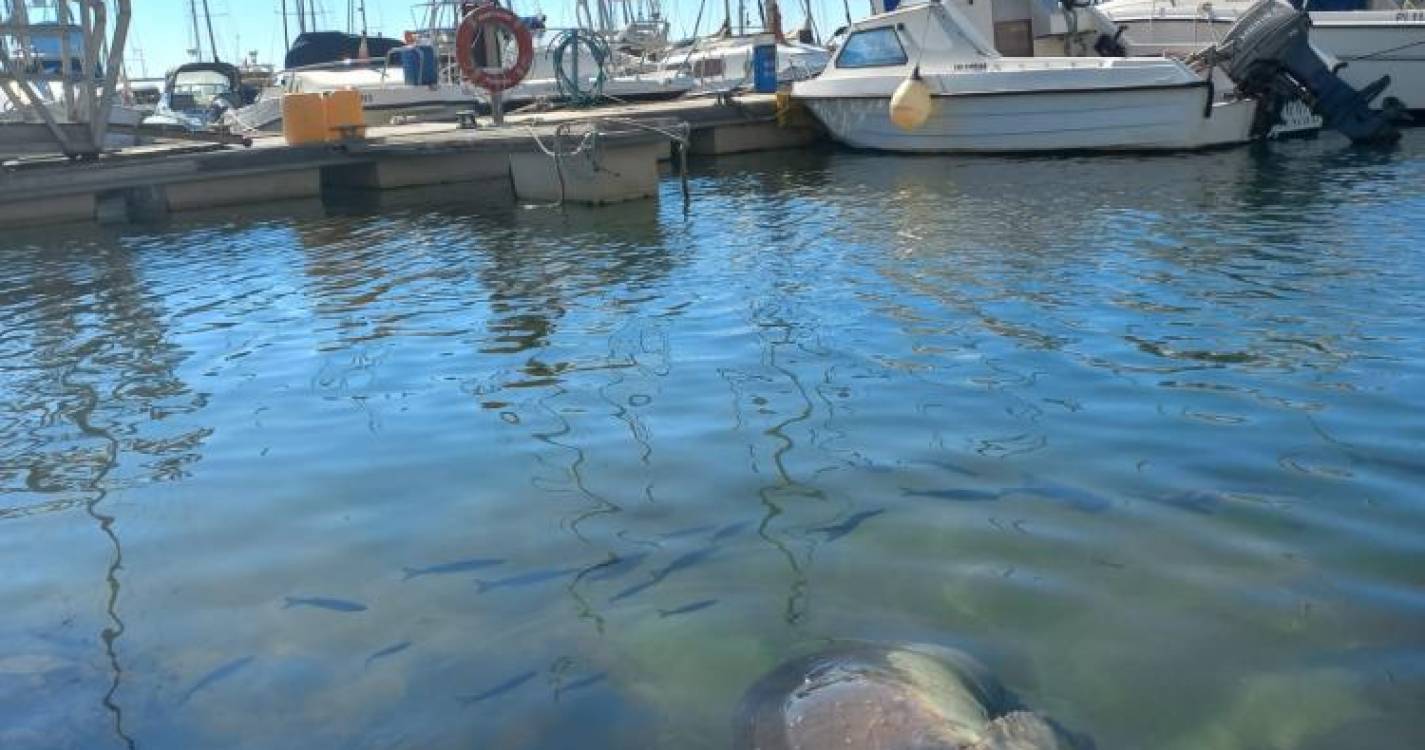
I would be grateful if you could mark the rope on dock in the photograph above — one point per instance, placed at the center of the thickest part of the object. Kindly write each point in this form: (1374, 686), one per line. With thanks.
(680, 134)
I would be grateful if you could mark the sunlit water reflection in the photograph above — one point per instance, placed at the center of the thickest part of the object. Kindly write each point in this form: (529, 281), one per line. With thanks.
(1144, 434)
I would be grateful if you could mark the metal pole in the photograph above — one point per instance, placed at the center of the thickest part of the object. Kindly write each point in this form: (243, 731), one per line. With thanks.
(111, 72)
(491, 40)
(93, 40)
(95, 35)
(197, 35)
(287, 35)
(212, 40)
(66, 55)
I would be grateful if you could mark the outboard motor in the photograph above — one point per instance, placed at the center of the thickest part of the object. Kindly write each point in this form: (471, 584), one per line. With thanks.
(1268, 52)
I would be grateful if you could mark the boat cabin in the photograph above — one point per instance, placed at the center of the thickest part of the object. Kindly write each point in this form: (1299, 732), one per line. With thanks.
(195, 95)
(1032, 28)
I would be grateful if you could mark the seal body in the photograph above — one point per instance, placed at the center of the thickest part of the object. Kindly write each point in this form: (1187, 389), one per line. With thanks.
(867, 696)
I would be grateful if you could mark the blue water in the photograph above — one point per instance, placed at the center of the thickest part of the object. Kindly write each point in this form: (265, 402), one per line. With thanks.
(1146, 435)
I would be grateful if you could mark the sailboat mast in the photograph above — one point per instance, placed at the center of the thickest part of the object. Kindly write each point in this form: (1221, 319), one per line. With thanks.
(212, 40)
(197, 35)
(287, 35)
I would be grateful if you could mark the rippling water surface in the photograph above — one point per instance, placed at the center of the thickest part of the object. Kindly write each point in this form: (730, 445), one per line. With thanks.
(1145, 434)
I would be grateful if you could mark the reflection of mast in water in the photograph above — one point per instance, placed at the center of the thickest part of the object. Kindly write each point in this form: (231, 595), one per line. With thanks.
(531, 287)
(121, 367)
(796, 596)
(115, 630)
(784, 483)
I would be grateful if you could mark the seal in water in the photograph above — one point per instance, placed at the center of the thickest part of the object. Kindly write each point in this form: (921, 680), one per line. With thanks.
(867, 696)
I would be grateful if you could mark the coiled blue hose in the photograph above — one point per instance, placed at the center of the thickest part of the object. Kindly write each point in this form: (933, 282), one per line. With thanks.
(572, 87)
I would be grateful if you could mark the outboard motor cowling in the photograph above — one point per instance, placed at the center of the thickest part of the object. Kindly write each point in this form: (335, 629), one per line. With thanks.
(1269, 50)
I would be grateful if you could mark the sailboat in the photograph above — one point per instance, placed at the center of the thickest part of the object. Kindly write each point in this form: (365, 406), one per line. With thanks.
(196, 95)
(627, 35)
(723, 60)
(322, 61)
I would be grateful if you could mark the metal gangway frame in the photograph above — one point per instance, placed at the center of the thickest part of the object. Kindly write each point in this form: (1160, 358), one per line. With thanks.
(87, 97)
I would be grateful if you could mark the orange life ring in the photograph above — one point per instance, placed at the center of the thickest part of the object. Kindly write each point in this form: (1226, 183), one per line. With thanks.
(493, 17)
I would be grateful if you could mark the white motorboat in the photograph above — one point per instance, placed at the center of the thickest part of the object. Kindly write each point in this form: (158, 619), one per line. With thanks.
(385, 95)
(1373, 38)
(724, 62)
(195, 95)
(981, 101)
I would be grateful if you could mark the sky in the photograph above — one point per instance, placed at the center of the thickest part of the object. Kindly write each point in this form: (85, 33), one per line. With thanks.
(162, 29)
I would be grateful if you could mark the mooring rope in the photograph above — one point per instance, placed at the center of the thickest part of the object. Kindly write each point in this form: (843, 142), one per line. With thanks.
(680, 135)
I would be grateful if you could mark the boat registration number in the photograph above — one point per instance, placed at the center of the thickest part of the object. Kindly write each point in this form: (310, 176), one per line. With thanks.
(1410, 16)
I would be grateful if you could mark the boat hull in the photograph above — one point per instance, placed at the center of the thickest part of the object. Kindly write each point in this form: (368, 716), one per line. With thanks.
(1139, 119)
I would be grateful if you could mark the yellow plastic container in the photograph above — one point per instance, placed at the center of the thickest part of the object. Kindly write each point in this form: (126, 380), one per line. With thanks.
(345, 118)
(304, 119)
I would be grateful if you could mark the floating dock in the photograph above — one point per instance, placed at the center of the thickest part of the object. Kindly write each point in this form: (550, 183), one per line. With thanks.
(589, 156)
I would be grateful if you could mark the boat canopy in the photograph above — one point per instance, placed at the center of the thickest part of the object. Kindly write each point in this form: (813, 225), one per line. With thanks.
(321, 47)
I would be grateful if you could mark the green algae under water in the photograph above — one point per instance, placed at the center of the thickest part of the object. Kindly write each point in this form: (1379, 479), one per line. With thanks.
(1146, 435)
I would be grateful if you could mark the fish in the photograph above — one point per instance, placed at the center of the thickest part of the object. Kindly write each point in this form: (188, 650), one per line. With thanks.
(730, 530)
(335, 605)
(687, 560)
(217, 675)
(584, 682)
(636, 588)
(694, 531)
(459, 566)
(1195, 501)
(973, 496)
(388, 651)
(684, 561)
(526, 579)
(687, 608)
(499, 689)
(953, 469)
(849, 525)
(1074, 497)
(615, 567)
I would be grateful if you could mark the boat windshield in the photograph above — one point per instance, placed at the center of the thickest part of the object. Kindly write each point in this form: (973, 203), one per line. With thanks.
(872, 48)
(202, 85)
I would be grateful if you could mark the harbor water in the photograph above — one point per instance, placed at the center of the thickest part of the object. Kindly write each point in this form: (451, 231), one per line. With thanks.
(1144, 434)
